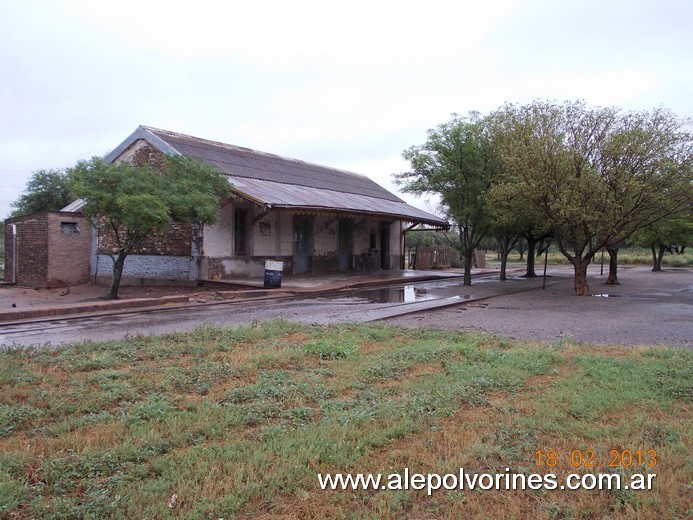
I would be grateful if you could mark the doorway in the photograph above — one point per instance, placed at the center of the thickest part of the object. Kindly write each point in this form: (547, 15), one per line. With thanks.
(303, 240)
(385, 246)
(345, 243)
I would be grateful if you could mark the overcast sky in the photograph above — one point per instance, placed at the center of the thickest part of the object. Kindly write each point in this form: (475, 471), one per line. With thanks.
(344, 84)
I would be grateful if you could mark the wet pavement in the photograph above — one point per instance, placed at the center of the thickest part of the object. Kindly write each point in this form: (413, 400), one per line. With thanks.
(648, 308)
(22, 303)
(344, 306)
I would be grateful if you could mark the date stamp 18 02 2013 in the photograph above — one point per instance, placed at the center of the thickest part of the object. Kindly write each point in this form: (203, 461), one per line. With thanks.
(589, 458)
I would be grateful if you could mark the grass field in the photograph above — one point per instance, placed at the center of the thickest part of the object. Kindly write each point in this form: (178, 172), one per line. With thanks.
(239, 423)
(627, 256)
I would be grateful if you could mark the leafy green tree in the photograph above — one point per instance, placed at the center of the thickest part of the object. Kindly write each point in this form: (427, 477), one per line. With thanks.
(418, 237)
(506, 238)
(661, 236)
(135, 201)
(455, 163)
(511, 212)
(46, 190)
(596, 176)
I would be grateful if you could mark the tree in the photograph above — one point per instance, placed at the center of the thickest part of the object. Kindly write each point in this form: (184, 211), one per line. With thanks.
(511, 211)
(595, 175)
(135, 201)
(612, 278)
(661, 237)
(420, 237)
(455, 163)
(46, 190)
(506, 237)
(521, 248)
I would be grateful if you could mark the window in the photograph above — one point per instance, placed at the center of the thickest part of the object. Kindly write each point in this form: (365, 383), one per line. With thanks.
(69, 227)
(240, 231)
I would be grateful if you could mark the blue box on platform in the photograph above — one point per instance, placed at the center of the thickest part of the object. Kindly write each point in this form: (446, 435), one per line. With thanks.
(273, 274)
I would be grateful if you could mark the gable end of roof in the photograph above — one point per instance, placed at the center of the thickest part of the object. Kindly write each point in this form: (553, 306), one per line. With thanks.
(141, 133)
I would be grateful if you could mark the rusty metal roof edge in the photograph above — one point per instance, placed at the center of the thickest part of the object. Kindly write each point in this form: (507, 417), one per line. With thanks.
(328, 209)
(246, 196)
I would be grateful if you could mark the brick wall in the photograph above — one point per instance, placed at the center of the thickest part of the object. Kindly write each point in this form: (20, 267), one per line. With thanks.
(69, 244)
(49, 254)
(32, 249)
(9, 252)
(148, 266)
(175, 240)
(142, 153)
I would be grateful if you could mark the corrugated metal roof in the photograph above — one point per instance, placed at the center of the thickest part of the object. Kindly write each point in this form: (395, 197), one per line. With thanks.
(244, 162)
(282, 182)
(288, 196)
(75, 205)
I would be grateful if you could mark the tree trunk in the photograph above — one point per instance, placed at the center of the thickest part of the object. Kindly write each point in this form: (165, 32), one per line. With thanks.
(612, 279)
(506, 243)
(531, 249)
(657, 257)
(654, 257)
(118, 265)
(581, 287)
(504, 263)
(468, 259)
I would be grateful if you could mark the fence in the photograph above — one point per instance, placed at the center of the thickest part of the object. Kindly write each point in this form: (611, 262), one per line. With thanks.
(430, 257)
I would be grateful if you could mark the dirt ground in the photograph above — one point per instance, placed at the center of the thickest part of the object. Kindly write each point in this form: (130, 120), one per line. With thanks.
(646, 309)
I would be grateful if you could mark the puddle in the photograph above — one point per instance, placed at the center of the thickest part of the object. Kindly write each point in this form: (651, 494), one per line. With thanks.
(418, 292)
(405, 294)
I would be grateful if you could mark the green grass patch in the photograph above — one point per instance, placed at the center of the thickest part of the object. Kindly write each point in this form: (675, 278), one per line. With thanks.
(627, 256)
(239, 422)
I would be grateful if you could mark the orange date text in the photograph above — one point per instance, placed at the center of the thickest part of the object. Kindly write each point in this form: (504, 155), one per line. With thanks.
(590, 459)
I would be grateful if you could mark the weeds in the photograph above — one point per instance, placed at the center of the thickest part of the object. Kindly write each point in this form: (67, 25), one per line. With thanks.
(328, 348)
(238, 422)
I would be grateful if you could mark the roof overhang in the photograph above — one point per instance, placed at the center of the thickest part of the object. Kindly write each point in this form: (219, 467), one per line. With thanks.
(275, 195)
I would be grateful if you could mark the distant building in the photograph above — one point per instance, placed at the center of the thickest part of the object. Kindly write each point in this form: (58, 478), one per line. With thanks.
(313, 218)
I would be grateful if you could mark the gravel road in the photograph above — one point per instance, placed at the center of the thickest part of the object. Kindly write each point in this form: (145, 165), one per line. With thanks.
(646, 309)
